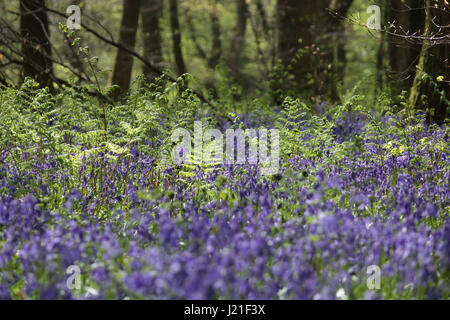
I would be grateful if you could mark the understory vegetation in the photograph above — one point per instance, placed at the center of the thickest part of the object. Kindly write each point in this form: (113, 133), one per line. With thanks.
(91, 184)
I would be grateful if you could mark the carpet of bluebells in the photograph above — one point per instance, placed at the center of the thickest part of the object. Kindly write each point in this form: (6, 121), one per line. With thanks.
(354, 190)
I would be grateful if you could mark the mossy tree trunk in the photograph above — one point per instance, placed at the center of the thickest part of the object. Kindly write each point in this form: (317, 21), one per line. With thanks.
(431, 88)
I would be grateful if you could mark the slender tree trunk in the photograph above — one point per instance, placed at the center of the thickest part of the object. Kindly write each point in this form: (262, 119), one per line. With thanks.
(341, 7)
(36, 48)
(193, 34)
(216, 50)
(71, 52)
(335, 48)
(176, 37)
(383, 50)
(237, 44)
(124, 61)
(263, 15)
(431, 87)
(212, 57)
(151, 12)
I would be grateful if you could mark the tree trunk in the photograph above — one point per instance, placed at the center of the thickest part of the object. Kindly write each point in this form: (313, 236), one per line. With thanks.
(404, 53)
(36, 48)
(238, 38)
(124, 61)
(216, 50)
(383, 50)
(176, 38)
(151, 12)
(263, 16)
(431, 87)
(300, 24)
(294, 20)
(335, 47)
(70, 51)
